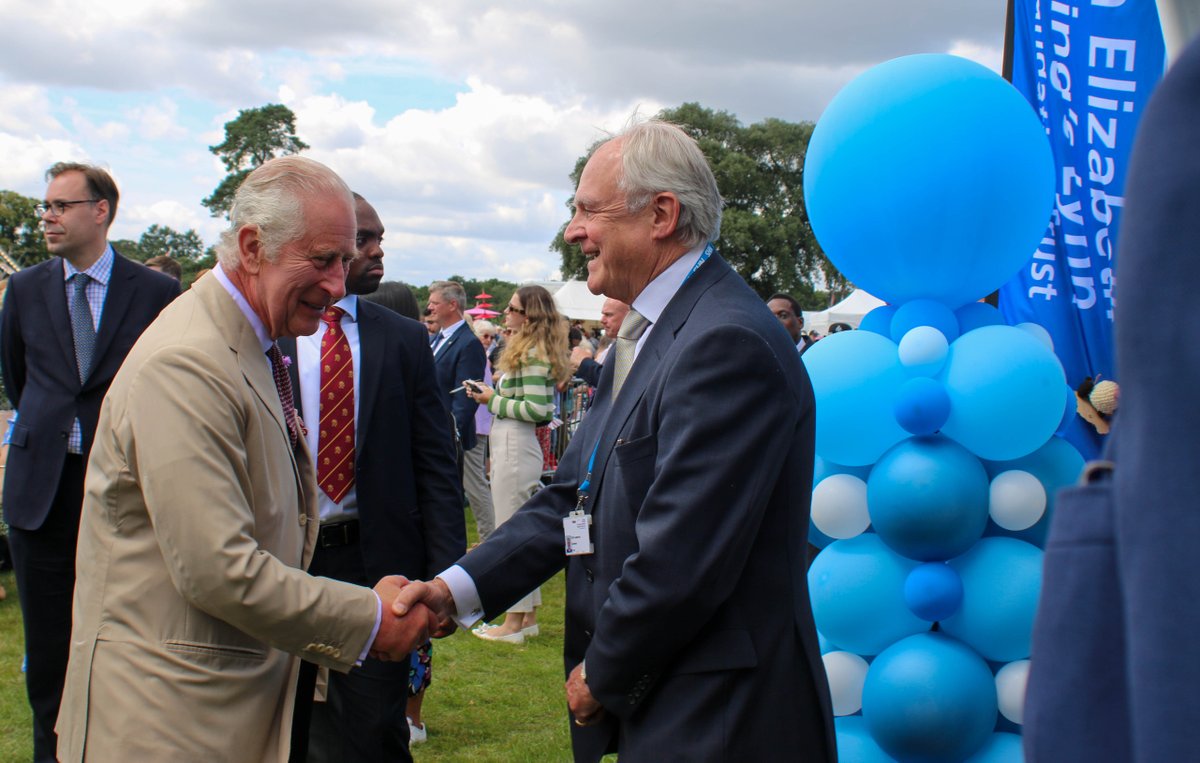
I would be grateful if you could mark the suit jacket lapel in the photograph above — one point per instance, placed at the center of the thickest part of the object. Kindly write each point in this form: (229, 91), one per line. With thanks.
(117, 298)
(54, 289)
(370, 370)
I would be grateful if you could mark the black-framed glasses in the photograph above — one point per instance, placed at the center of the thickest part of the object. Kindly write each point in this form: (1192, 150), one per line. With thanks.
(58, 208)
(517, 310)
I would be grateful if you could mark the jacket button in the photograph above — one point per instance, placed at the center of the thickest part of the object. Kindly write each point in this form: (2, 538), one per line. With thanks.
(590, 577)
(303, 520)
(587, 633)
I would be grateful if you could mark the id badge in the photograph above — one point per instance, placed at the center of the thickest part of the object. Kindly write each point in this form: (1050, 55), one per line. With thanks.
(577, 533)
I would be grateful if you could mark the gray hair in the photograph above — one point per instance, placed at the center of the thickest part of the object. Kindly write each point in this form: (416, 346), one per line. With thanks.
(451, 291)
(658, 156)
(272, 199)
(483, 328)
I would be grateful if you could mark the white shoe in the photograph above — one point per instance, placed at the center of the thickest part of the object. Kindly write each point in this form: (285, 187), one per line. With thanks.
(416, 734)
(486, 632)
(530, 632)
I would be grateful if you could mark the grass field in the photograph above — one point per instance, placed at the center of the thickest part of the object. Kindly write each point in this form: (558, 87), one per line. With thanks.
(488, 701)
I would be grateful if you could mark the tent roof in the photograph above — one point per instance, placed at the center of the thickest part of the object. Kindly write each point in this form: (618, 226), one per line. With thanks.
(850, 310)
(577, 303)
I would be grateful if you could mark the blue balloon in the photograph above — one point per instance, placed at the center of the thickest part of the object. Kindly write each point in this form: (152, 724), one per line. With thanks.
(1070, 411)
(1000, 748)
(928, 499)
(854, 377)
(1002, 579)
(878, 321)
(933, 591)
(930, 698)
(854, 742)
(1005, 392)
(929, 177)
(924, 312)
(1057, 464)
(857, 591)
(922, 405)
(974, 315)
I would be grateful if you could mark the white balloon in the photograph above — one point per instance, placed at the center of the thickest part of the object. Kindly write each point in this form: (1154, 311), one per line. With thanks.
(1037, 331)
(1017, 500)
(1010, 690)
(923, 350)
(847, 672)
(839, 506)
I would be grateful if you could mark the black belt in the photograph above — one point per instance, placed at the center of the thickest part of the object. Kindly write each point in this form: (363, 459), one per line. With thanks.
(338, 534)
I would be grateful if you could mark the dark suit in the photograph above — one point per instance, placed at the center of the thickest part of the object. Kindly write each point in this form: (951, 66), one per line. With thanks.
(43, 485)
(693, 612)
(1113, 676)
(589, 370)
(410, 515)
(460, 357)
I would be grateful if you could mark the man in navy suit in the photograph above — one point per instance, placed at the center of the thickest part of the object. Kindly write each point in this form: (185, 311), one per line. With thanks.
(1113, 677)
(689, 634)
(68, 324)
(394, 509)
(457, 354)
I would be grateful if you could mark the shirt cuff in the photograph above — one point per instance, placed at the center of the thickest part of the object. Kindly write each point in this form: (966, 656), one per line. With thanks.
(374, 631)
(468, 607)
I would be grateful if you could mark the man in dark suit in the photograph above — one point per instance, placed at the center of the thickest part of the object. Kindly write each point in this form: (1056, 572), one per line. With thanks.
(689, 634)
(584, 364)
(388, 487)
(457, 354)
(1112, 675)
(68, 324)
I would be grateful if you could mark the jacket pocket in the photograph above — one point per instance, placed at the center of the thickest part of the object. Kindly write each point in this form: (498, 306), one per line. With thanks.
(194, 651)
(719, 650)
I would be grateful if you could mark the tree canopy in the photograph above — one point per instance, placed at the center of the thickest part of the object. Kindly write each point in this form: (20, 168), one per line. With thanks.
(252, 138)
(20, 235)
(765, 232)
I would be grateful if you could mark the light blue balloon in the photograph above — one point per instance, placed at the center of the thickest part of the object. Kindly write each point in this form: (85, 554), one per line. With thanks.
(1002, 579)
(929, 177)
(933, 591)
(930, 698)
(924, 312)
(922, 405)
(974, 315)
(857, 592)
(923, 350)
(1057, 464)
(879, 320)
(854, 376)
(1000, 748)
(1070, 411)
(1005, 392)
(854, 742)
(928, 499)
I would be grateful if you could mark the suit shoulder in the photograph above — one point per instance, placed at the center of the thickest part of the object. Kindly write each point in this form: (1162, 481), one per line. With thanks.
(394, 323)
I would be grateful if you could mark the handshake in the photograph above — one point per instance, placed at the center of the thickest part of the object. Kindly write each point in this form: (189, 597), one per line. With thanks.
(413, 612)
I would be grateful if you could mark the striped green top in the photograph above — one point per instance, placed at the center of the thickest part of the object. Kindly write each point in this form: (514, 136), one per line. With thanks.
(526, 394)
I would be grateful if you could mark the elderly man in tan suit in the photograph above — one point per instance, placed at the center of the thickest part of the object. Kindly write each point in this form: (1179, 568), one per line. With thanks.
(200, 513)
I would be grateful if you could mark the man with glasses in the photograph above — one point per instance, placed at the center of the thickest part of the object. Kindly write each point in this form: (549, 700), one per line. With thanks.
(67, 325)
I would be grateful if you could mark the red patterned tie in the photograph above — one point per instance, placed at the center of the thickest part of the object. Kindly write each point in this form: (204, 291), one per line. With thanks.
(335, 446)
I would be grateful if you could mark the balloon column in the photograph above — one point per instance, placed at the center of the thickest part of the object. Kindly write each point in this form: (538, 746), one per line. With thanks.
(929, 182)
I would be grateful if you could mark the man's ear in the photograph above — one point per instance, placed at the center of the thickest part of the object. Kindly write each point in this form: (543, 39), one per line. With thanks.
(100, 210)
(251, 251)
(665, 206)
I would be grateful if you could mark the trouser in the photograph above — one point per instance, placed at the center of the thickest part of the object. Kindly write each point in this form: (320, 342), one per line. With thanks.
(477, 487)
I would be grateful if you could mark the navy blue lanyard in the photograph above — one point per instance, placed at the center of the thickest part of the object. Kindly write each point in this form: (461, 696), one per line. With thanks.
(586, 485)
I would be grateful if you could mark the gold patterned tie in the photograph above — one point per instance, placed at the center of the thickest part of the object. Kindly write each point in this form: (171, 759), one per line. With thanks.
(632, 329)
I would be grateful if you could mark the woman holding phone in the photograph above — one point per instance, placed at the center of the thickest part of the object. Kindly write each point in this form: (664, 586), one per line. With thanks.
(532, 362)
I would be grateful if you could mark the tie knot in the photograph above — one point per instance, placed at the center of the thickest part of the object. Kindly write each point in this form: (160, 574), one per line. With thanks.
(81, 281)
(634, 325)
(333, 315)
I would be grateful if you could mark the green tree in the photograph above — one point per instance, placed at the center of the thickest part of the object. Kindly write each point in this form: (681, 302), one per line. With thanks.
(255, 136)
(765, 232)
(161, 239)
(20, 235)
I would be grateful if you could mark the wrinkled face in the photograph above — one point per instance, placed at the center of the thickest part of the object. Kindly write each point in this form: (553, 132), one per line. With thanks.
(309, 274)
(612, 315)
(514, 314)
(79, 233)
(792, 322)
(614, 240)
(444, 310)
(366, 270)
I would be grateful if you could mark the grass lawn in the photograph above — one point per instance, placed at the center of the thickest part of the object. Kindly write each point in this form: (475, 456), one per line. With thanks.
(488, 701)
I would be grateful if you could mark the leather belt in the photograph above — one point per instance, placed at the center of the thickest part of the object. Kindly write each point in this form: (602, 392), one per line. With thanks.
(338, 534)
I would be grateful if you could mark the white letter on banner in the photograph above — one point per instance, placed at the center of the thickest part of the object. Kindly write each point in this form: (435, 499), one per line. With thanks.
(1060, 79)
(1108, 3)
(1102, 206)
(1112, 47)
(1107, 137)
(1101, 169)
(1089, 284)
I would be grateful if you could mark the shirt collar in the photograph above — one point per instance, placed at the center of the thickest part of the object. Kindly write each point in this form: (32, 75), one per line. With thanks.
(349, 304)
(100, 271)
(654, 298)
(448, 330)
(260, 330)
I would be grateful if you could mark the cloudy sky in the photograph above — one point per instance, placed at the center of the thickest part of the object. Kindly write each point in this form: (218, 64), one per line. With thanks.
(459, 120)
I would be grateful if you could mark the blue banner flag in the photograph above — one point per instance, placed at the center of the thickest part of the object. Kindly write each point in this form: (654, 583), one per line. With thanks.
(1087, 67)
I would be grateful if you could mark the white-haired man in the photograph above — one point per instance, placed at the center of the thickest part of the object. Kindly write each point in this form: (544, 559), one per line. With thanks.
(200, 510)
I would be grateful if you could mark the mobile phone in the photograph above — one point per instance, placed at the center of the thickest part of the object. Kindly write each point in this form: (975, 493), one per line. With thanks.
(473, 386)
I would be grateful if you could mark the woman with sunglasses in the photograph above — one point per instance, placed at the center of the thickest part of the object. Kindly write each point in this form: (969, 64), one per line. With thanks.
(532, 362)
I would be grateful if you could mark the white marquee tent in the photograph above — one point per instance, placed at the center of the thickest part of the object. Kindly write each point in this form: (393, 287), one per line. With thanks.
(850, 310)
(576, 302)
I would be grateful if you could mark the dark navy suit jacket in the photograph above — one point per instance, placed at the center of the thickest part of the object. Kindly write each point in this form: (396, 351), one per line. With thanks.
(693, 612)
(405, 469)
(1114, 676)
(37, 352)
(459, 358)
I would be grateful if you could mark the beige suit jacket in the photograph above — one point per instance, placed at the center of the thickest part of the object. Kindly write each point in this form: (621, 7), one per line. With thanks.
(198, 520)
